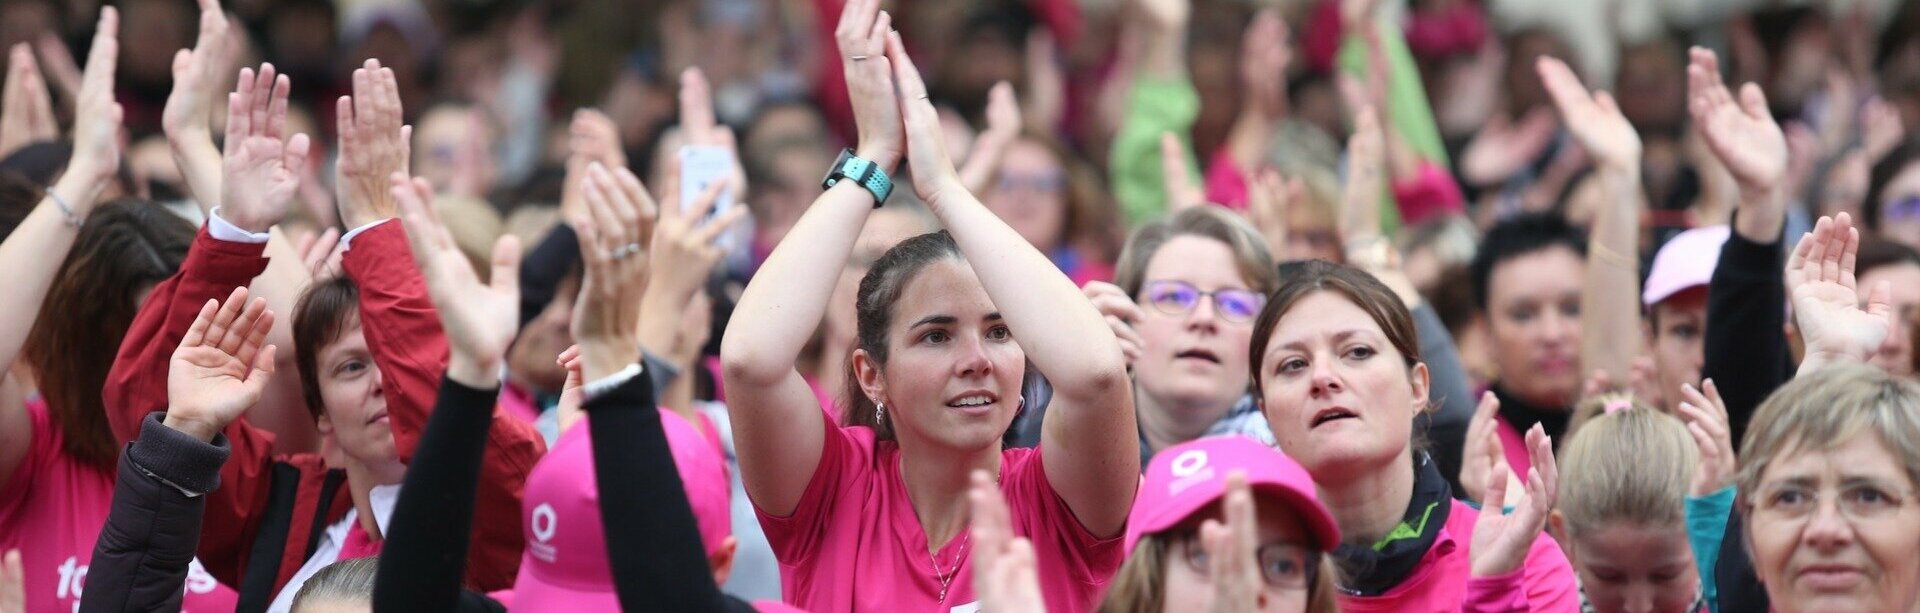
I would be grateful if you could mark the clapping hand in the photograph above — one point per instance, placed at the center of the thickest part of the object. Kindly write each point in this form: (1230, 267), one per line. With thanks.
(480, 319)
(934, 178)
(613, 232)
(1121, 313)
(1827, 306)
(1003, 126)
(862, 36)
(1706, 416)
(1594, 118)
(374, 144)
(221, 366)
(26, 111)
(1500, 539)
(262, 164)
(197, 75)
(1004, 575)
(1269, 197)
(1232, 549)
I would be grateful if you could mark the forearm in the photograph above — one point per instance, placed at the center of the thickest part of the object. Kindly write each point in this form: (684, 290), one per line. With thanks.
(427, 541)
(1763, 215)
(199, 163)
(34, 253)
(1060, 330)
(653, 540)
(1610, 305)
(154, 525)
(788, 295)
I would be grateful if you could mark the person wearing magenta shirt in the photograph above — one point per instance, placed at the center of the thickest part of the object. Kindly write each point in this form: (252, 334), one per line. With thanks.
(871, 513)
(77, 267)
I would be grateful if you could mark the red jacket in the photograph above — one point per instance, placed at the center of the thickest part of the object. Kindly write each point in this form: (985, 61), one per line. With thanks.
(268, 514)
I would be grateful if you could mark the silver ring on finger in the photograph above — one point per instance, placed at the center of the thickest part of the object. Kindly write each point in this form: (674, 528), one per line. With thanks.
(625, 251)
(857, 58)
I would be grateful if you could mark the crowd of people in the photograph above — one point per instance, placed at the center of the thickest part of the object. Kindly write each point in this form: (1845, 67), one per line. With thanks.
(544, 305)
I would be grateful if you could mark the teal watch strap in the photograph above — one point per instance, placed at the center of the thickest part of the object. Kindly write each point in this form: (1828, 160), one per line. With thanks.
(861, 171)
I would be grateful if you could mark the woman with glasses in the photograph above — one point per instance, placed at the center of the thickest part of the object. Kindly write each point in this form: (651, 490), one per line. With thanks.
(1052, 199)
(1212, 485)
(1827, 486)
(1187, 290)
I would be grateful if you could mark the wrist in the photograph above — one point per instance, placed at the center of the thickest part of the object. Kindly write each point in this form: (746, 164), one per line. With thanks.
(601, 357)
(472, 372)
(191, 426)
(886, 161)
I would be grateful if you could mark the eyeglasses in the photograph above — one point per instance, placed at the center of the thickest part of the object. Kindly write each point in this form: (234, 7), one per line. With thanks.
(1860, 502)
(1042, 182)
(1283, 566)
(1903, 208)
(1180, 297)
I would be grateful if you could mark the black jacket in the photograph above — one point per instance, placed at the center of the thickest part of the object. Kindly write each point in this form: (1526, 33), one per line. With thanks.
(140, 561)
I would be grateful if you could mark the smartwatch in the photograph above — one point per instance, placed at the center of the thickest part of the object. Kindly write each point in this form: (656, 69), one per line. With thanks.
(860, 171)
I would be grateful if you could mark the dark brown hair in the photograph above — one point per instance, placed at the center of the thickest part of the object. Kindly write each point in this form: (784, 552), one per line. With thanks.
(1250, 253)
(325, 311)
(873, 315)
(1305, 279)
(125, 247)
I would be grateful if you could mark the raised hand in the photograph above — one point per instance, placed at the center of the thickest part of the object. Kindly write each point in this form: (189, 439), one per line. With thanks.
(221, 366)
(1482, 452)
(1046, 98)
(702, 130)
(1167, 15)
(1740, 132)
(1366, 177)
(1182, 193)
(613, 234)
(263, 165)
(682, 254)
(1232, 549)
(933, 173)
(374, 144)
(1706, 416)
(1265, 52)
(1269, 197)
(1503, 146)
(1594, 118)
(1826, 304)
(591, 137)
(1501, 540)
(26, 111)
(1880, 129)
(13, 580)
(1004, 575)
(480, 319)
(197, 77)
(573, 393)
(1003, 126)
(96, 123)
(864, 56)
(318, 255)
(1121, 313)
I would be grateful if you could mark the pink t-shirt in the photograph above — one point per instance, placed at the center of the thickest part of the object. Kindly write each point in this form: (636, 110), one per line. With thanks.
(52, 510)
(1544, 582)
(854, 543)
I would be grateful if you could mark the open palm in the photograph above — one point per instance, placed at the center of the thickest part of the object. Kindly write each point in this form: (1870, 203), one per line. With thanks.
(480, 319)
(1741, 133)
(1594, 119)
(262, 163)
(222, 364)
(1826, 302)
(1501, 540)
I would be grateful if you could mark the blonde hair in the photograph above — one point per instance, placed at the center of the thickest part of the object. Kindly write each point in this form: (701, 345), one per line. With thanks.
(1140, 584)
(343, 582)
(1632, 465)
(1829, 408)
(1250, 255)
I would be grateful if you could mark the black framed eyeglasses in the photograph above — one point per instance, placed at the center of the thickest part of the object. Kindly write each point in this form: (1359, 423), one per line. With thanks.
(1180, 297)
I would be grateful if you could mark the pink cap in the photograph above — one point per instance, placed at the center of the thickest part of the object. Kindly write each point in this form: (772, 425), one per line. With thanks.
(1686, 261)
(565, 565)
(1189, 477)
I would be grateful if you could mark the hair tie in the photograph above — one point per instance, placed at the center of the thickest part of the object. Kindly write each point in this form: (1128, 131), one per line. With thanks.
(1618, 404)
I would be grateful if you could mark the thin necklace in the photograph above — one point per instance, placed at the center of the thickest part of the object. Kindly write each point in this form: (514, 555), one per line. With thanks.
(946, 578)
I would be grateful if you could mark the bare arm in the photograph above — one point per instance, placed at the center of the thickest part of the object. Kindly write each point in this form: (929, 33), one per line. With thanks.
(197, 76)
(1093, 460)
(35, 250)
(1610, 305)
(776, 422)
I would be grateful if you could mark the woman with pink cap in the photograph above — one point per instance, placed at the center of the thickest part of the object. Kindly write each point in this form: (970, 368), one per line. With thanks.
(871, 513)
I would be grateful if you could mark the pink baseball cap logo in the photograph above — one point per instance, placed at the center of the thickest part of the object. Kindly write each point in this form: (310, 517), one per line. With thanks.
(1188, 478)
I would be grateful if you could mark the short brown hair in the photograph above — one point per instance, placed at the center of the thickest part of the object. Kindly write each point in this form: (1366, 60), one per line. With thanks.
(1250, 253)
(326, 310)
(1307, 278)
(124, 248)
(1828, 408)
